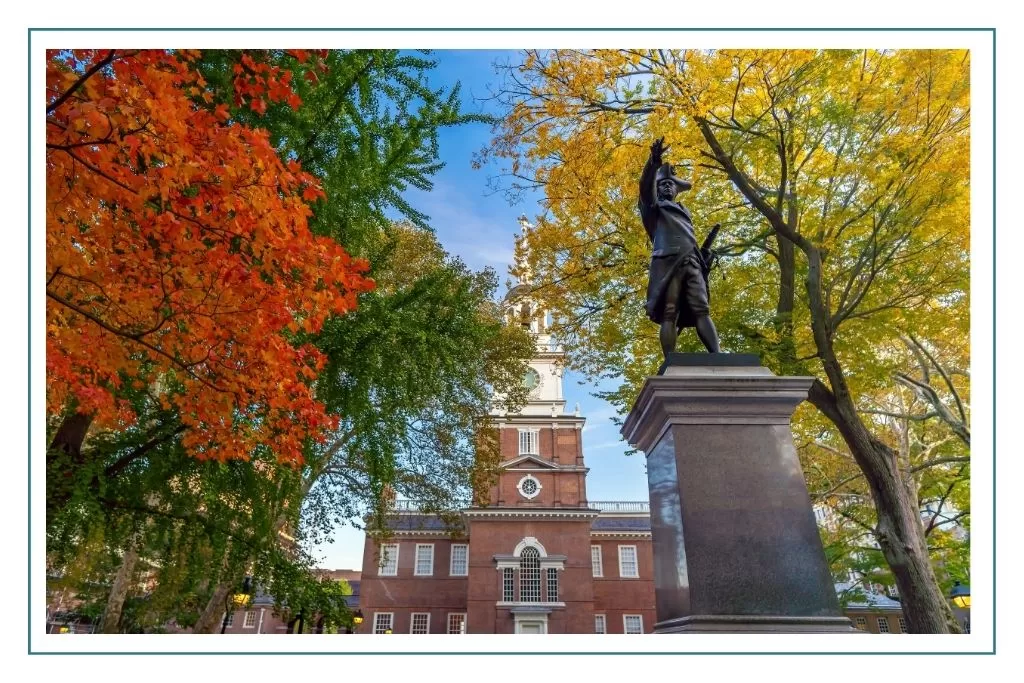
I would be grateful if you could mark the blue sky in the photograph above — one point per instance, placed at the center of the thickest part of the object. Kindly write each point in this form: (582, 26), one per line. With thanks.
(480, 227)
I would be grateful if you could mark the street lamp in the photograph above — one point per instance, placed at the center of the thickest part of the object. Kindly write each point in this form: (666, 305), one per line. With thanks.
(961, 595)
(239, 599)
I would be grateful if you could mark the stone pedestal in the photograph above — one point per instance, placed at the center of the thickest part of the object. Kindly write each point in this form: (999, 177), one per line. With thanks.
(736, 548)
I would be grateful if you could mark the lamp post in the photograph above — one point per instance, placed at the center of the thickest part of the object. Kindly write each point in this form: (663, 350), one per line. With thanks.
(960, 595)
(237, 600)
(357, 619)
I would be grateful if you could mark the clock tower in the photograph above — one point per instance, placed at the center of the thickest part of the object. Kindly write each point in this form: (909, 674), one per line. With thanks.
(535, 556)
(536, 520)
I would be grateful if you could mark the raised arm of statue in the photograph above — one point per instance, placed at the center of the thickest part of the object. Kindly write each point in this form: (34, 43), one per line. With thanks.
(646, 202)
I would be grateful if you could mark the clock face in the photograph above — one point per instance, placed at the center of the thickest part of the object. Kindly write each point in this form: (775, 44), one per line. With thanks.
(531, 380)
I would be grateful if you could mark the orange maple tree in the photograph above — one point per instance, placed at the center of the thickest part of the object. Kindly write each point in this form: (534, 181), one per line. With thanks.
(178, 254)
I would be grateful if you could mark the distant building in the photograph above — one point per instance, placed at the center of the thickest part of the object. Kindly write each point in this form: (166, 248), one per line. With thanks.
(874, 611)
(260, 616)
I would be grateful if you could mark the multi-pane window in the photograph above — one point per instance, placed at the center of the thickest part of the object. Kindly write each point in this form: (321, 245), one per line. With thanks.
(389, 559)
(529, 441)
(595, 560)
(967, 625)
(903, 625)
(420, 622)
(552, 584)
(382, 622)
(460, 560)
(529, 575)
(230, 620)
(457, 622)
(627, 562)
(633, 623)
(883, 625)
(861, 623)
(424, 559)
(600, 624)
(508, 584)
(250, 620)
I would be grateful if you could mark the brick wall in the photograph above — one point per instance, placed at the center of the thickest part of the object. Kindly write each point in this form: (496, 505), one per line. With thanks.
(615, 596)
(438, 594)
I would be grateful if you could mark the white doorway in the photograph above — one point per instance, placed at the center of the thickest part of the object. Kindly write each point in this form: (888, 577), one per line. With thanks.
(531, 626)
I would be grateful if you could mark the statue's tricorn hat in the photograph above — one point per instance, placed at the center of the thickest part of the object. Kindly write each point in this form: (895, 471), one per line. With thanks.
(665, 171)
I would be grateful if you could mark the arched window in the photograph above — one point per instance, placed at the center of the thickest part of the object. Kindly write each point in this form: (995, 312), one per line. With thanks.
(529, 575)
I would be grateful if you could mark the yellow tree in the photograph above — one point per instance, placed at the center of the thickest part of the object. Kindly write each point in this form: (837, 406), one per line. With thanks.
(840, 179)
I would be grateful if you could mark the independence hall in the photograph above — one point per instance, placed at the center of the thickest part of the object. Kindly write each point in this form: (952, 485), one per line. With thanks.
(540, 557)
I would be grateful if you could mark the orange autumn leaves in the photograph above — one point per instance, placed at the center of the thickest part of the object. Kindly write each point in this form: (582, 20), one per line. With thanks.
(179, 256)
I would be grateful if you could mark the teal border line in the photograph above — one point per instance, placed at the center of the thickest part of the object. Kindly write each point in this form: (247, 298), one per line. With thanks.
(28, 413)
(491, 29)
(994, 373)
(947, 29)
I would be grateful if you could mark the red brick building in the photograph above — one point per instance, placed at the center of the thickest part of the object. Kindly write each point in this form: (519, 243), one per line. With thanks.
(539, 557)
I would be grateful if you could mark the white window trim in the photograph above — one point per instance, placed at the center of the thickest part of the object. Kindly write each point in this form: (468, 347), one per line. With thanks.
(861, 623)
(535, 480)
(451, 560)
(882, 620)
(383, 556)
(604, 623)
(449, 625)
(412, 620)
(391, 621)
(230, 619)
(903, 624)
(549, 594)
(533, 439)
(416, 566)
(627, 616)
(636, 563)
(245, 621)
(598, 569)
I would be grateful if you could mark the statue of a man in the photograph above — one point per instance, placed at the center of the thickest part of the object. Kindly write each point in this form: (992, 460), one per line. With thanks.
(677, 289)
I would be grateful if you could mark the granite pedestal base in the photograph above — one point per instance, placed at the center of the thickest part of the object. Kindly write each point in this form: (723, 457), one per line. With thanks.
(736, 548)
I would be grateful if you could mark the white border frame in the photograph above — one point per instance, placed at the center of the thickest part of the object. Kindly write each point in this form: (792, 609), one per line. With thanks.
(980, 42)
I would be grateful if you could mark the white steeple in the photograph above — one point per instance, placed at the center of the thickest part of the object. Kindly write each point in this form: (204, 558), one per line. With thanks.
(544, 376)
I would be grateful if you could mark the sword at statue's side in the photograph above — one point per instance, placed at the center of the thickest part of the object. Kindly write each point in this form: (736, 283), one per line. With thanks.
(706, 254)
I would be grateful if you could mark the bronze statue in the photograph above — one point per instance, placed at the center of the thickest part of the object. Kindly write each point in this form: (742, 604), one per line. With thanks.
(677, 288)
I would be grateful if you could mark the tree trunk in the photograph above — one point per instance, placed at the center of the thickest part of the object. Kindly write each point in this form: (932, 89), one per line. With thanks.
(785, 304)
(899, 532)
(64, 460)
(119, 591)
(212, 617)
